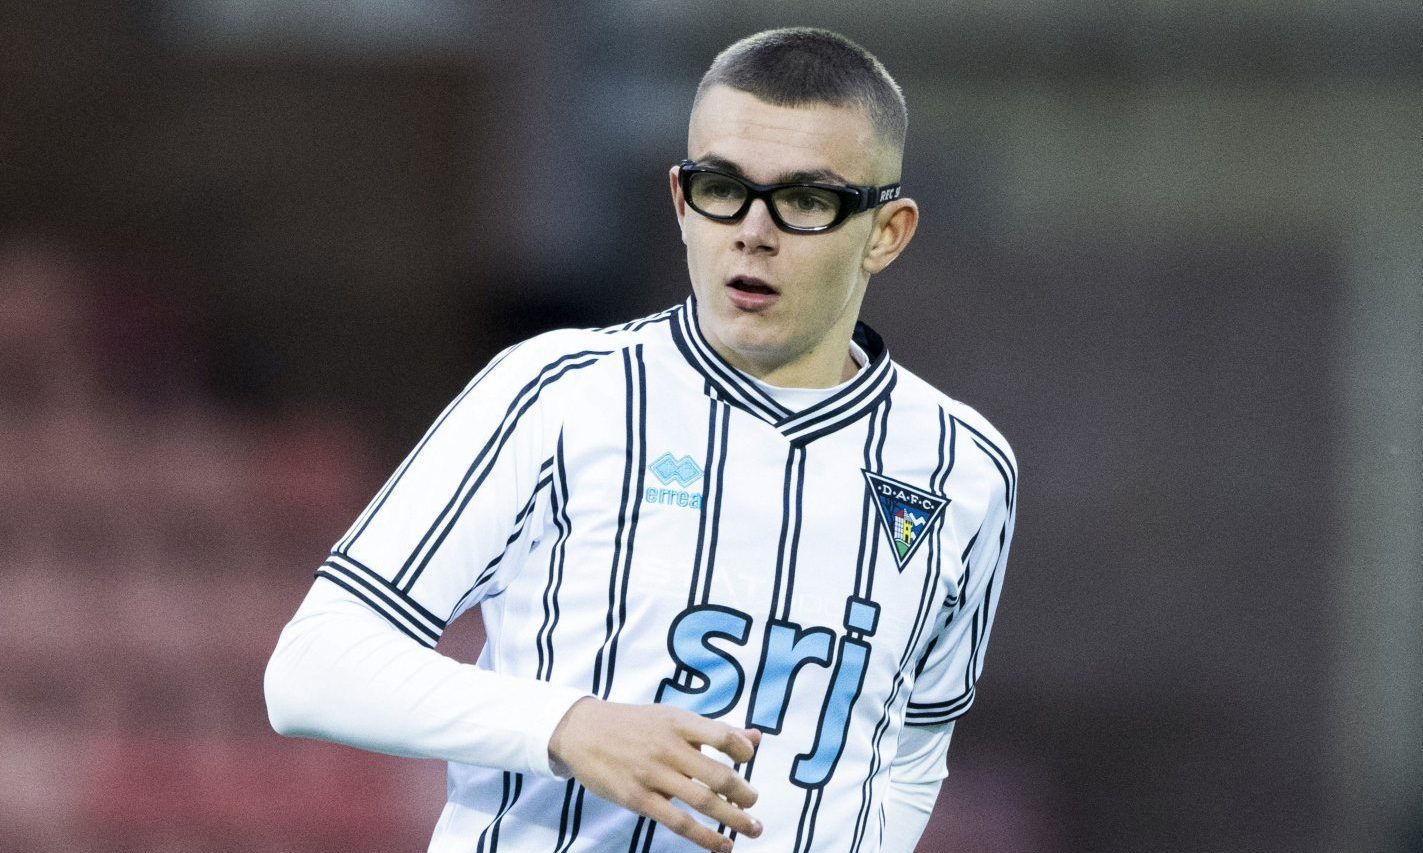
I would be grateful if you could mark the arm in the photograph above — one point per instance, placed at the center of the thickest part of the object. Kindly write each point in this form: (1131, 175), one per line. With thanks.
(946, 676)
(918, 770)
(357, 664)
(343, 673)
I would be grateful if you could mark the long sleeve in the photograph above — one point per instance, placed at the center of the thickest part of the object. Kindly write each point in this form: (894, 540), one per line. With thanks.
(357, 663)
(343, 673)
(917, 772)
(946, 682)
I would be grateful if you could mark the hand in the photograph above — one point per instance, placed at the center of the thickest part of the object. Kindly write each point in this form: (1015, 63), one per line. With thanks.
(644, 756)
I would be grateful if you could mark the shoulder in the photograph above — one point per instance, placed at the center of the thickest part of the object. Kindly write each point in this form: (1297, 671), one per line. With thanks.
(551, 355)
(972, 430)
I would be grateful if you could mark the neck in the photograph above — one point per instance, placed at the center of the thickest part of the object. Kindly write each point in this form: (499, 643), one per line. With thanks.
(826, 365)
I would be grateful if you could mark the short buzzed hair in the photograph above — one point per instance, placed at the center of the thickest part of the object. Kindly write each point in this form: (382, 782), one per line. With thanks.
(795, 66)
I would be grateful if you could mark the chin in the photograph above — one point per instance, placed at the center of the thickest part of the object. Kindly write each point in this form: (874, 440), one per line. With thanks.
(751, 333)
(761, 349)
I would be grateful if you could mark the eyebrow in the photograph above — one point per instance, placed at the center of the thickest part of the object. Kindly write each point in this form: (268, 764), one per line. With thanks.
(804, 176)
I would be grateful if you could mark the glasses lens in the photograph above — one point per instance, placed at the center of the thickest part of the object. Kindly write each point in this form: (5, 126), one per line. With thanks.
(806, 207)
(716, 195)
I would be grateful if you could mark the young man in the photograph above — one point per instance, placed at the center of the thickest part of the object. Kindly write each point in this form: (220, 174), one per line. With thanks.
(729, 555)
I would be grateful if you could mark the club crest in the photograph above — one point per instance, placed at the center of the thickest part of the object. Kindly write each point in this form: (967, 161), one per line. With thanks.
(905, 513)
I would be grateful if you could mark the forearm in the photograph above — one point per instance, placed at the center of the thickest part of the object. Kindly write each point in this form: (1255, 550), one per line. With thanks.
(907, 806)
(915, 776)
(342, 673)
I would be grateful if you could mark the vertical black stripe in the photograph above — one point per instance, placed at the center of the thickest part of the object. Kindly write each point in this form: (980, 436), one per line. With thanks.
(953, 444)
(543, 642)
(711, 490)
(814, 814)
(572, 818)
(967, 567)
(787, 490)
(973, 643)
(563, 823)
(866, 590)
(714, 468)
(869, 522)
(513, 784)
(800, 826)
(716, 506)
(518, 790)
(637, 831)
(642, 836)
(797, 513)
(641, 468)
(624, 509)
(985, 607)
(558, 500)
(809, 811)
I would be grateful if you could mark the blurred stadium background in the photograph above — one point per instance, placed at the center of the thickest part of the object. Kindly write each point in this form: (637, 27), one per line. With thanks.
(249, 249)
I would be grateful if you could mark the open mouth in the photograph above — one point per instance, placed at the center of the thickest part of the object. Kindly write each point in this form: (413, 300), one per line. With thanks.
(747, 284)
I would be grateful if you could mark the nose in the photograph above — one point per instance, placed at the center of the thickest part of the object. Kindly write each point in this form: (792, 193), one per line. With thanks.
(757, 231)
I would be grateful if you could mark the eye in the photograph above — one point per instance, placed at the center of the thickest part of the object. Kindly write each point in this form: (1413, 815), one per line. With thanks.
(807, 200)
(716, 187)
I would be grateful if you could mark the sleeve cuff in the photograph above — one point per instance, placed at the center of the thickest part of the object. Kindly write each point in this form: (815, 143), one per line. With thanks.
(537, 727)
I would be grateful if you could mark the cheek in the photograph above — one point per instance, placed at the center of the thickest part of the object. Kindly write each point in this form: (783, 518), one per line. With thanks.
(696, 246)
(836, 271)
(703, 261)
(689, 224)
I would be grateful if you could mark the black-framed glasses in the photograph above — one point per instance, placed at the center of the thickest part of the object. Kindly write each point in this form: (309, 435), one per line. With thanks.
(801, 208)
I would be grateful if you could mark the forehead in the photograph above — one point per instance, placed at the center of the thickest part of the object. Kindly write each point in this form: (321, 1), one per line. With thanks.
(767, 141)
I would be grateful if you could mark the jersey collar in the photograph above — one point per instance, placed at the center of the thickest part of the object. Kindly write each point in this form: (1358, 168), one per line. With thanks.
(724, 382)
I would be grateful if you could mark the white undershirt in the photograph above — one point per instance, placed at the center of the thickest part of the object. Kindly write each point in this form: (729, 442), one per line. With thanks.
(800, 399)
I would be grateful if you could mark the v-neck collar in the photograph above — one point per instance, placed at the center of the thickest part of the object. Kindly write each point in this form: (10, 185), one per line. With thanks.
(861, 394)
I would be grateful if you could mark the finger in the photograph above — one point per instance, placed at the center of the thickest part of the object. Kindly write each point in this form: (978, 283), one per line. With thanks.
(682, 823)
(733, 743)
(720, 779)
(706, 801)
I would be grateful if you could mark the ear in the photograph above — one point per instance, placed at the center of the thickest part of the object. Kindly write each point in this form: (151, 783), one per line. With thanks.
(678, 202)
(894, 227)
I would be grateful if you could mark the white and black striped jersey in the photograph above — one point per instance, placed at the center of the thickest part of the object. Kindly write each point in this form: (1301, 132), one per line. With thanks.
(638, 520)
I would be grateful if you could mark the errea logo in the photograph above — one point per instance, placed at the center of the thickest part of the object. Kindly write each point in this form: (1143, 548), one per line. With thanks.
(674, 471)
(670, 469)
